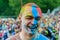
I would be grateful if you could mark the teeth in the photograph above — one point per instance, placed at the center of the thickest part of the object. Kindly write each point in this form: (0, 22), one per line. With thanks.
(32, 27)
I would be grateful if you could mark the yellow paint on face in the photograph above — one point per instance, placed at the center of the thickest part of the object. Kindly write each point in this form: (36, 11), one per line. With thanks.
(27, 11)
(29, 15)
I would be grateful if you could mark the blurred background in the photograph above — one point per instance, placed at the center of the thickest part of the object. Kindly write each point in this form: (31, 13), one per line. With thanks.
(12, 7)
(10, 21)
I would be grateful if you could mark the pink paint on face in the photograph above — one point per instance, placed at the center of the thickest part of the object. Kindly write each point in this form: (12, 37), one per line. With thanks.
(39, 12)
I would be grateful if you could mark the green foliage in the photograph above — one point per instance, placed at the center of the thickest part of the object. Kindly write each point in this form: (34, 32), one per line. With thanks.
(3, 6)
(12, 7)
(44, 4)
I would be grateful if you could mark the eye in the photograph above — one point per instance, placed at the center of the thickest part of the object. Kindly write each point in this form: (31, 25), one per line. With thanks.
(37, 18)
(29, 17)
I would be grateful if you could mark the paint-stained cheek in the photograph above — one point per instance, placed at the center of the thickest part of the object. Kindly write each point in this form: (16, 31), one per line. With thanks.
(35, 22)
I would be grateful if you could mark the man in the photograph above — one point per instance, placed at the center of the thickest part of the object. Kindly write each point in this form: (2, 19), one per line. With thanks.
(30, 22)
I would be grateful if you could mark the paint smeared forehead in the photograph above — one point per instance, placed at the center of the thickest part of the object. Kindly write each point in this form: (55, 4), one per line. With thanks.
(27, 11)
(36, 11)
(32, 11)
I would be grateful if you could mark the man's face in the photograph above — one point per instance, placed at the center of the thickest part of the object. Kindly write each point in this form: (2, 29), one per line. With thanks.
(31, 20)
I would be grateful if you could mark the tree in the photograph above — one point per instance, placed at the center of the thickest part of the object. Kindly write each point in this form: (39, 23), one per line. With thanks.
(12, 7)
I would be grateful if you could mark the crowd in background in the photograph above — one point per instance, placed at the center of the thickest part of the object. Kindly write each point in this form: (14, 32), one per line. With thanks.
(8, 27)
(48, 27)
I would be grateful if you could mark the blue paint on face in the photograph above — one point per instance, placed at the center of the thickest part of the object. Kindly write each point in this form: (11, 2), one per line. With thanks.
(34, 25)
(33, 31)
(35, 22)
(35, 14)
(34, 11)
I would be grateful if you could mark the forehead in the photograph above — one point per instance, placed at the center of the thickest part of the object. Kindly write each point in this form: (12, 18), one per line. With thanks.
(32, 11)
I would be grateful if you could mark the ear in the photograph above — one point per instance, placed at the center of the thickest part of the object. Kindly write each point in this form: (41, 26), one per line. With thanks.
(19, 18)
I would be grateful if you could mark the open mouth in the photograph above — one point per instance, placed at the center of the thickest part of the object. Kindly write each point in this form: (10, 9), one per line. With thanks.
(32, 27)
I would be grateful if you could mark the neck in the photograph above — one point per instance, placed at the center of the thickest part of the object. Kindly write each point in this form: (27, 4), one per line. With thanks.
(26, 36)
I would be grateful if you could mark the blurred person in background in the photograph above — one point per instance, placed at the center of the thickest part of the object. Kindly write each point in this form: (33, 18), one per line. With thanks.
(0, 24)
(30, 22)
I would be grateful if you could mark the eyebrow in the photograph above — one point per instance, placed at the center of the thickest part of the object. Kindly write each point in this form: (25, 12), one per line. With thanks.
(38, 17)
(32, 16)
(28, 16)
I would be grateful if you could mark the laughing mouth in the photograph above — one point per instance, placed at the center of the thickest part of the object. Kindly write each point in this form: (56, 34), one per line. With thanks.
(32, 27)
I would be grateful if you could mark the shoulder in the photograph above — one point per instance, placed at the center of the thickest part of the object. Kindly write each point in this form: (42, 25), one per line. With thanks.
(15, 37)
(41, 37)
